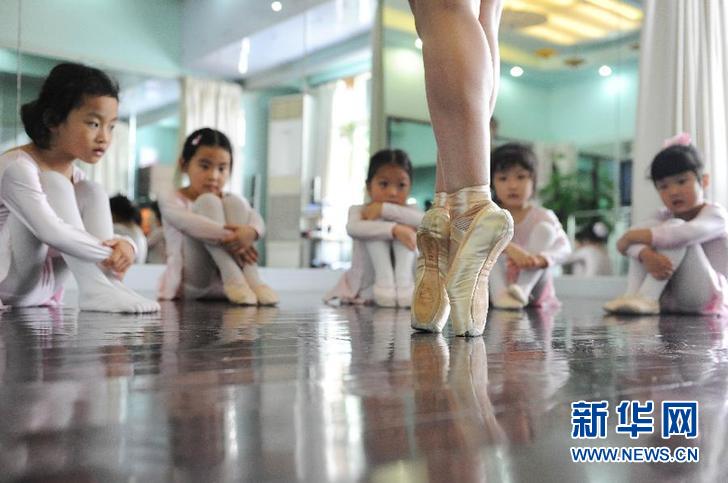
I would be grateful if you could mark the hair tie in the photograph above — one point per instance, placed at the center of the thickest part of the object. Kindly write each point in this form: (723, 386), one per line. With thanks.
(600, 229)
(682, 139)
(196, 140)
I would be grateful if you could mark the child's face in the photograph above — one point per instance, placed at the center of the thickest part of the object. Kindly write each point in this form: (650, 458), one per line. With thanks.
(513, 187)
(208, 170)
(87, 131)
(390, 184)
(681, 192)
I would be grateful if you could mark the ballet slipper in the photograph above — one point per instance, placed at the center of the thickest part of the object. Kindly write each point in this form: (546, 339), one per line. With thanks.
(639, 305)
(480, 230)
(240, 293)
(614, 305)
(430, 303)
(265, 295)
(506, 301)
(384, 295)
(404, 296)
(518, 294)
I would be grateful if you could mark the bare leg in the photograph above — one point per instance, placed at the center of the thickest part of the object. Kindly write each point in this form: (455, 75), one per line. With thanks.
(459, 81)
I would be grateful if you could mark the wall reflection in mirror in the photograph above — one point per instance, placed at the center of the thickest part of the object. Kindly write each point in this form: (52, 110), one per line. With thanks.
(306, 92)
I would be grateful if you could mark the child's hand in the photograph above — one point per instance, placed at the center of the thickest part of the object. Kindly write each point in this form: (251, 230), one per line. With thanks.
(246, 256)
(242, 237)
(519, 257)
(372, 211)
(406, 235)
(121, 258)
(656, 264)
(632, 237)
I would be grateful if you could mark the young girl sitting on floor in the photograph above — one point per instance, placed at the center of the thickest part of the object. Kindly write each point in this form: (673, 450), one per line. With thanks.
(52, 221)
(523, 277)
(384, 226)
(209, 233)
(679, 258)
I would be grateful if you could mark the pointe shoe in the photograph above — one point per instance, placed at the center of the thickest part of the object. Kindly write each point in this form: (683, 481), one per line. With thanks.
(517, 293)
(506, 301)
(404, 296)
(240, 293)
(265, 295)
(430, 303)
(384, 296)
(489, 231)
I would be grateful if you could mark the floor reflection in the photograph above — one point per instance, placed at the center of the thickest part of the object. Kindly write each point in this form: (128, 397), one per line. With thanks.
(212, 392)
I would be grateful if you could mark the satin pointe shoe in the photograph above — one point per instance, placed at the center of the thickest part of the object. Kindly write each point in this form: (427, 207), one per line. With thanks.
(480, 233)
(430, 303)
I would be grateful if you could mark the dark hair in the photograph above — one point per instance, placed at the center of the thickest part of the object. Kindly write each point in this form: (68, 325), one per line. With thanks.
(63, 90)
(509, 155)
(395, 157)
(596, 231)
(205, 137)
(124, 210)
(675, 160)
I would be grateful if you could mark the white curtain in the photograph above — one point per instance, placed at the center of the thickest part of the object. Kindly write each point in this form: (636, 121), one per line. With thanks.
(113, 171)
(683, 83)
(344, 172)
(217, 105)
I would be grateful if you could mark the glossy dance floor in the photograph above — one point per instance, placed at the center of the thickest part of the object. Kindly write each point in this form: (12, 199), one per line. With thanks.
(212, 392)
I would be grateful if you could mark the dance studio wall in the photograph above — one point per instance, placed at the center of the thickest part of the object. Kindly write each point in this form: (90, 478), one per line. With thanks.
(134, 35)
(574, 107)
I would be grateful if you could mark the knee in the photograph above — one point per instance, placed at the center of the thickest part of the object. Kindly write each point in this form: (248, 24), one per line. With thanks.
(53, 180)
(207, 204)
(90, 190)
(236, 207)
(543, 234)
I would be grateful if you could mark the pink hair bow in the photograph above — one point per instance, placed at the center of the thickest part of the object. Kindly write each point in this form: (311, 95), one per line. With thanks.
(682, 139)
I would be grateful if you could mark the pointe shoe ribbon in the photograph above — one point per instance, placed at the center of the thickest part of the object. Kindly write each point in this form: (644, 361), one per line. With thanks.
(481, 233)
(430, 303)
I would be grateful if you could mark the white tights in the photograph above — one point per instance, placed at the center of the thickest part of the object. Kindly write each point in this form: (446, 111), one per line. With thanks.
(401, 274)
(37, 272)
(542, 237)
(692, 287)
(207, 265)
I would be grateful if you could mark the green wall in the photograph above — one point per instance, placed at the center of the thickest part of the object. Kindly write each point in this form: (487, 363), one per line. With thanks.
(134, 35)
(164, 139)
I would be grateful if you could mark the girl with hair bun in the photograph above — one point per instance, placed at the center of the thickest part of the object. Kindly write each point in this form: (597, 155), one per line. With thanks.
(52, 220)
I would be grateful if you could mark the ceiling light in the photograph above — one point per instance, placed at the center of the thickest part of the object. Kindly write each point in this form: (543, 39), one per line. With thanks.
(620, 8)
(550, 34)
(276, 6)
(575, 27)
(516, 71)
(605, 18)
(605, 71)
(418, 43)
(244, 56)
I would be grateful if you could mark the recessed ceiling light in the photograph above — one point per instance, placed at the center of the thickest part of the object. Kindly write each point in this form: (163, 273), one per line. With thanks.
(605, 71)
(516, 71)
(276, 6)
(418, 43)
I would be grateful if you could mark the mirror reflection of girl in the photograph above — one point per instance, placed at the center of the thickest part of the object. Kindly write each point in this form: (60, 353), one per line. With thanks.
(383, 230)
(52, 220)
(210, 234)
(591, 259)
(678, 258)
(523, 277)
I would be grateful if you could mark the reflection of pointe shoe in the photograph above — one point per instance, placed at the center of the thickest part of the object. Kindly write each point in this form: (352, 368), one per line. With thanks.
(506, 301)
(384, 296)
(404, 296)
(518, 293)
(481, 233)
(430, 303)
(240, 293)
(265, 295)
